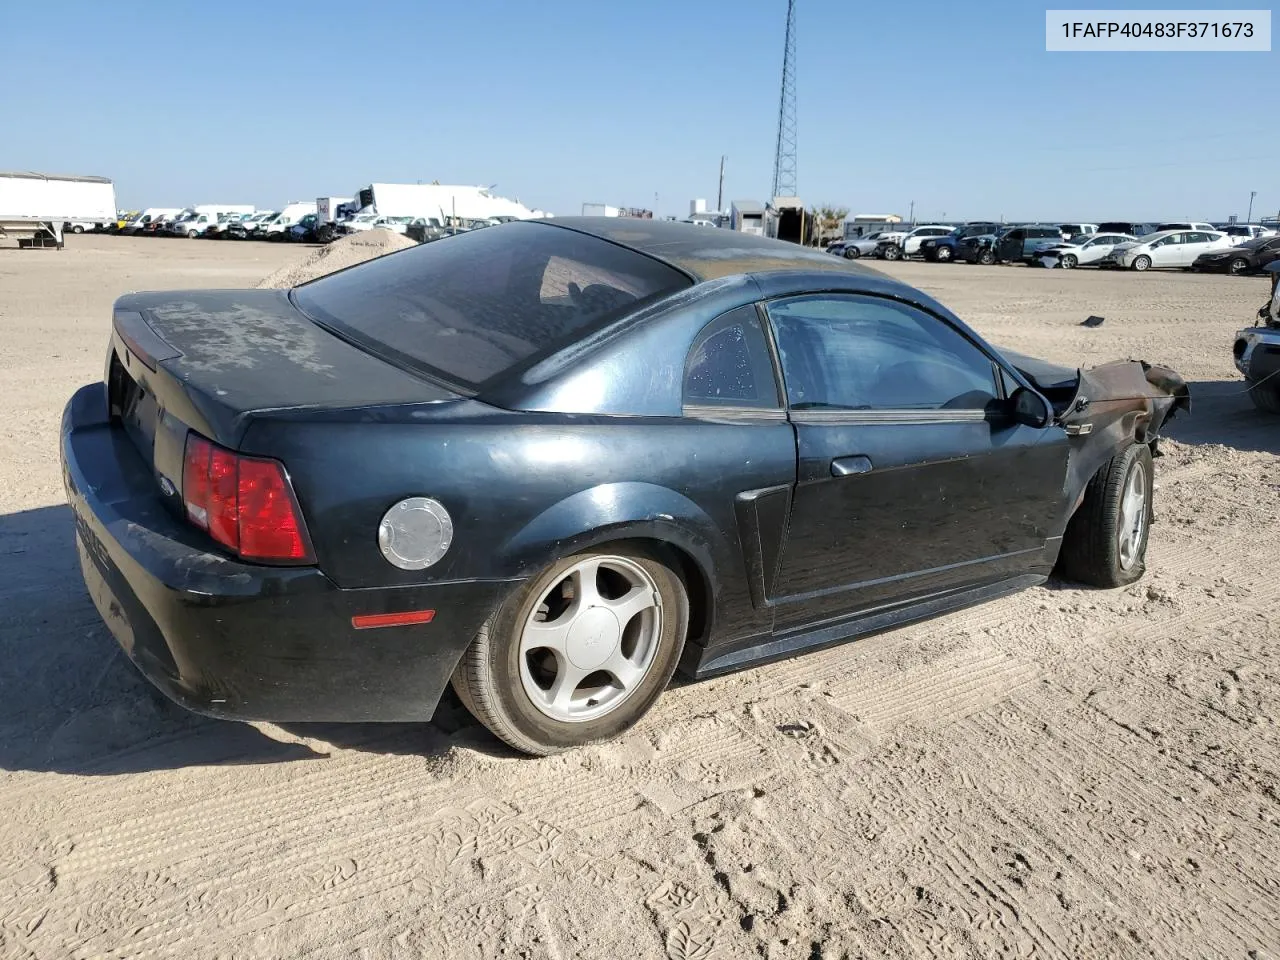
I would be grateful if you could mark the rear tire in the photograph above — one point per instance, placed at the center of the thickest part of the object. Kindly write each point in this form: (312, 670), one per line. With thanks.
(893, 253)
(77, 229)
(1266, 395)
(942, 254)
(1238, 266)
(987, 257)
(1142, 263)
(501, 676)
(1105, 544)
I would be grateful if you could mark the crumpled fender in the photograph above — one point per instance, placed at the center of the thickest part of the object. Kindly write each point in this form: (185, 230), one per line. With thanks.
(1116, 404)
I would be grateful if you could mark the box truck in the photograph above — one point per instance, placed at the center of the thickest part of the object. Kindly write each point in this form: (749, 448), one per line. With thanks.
(35, 207)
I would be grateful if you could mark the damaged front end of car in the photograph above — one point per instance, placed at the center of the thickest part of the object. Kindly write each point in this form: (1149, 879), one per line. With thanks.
(1114, 405)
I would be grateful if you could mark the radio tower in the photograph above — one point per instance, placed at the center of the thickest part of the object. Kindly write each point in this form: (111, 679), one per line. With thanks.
(784, 160)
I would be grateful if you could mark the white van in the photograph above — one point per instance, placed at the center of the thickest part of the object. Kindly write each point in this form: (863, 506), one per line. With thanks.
(286, 218)
(196, 220)
(138, 221)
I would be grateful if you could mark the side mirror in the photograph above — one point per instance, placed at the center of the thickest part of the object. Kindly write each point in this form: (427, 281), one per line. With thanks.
(1030, 409)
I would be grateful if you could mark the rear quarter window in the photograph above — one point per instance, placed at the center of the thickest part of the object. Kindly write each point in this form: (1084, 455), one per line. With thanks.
(465, 309)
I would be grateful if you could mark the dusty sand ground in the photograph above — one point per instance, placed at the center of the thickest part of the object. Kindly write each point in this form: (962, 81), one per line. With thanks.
(1065, 773)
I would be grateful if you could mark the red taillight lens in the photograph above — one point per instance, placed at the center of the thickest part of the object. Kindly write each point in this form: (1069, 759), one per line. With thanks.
(222, 510)
(269, 523)
(245, 503)
(195, 480)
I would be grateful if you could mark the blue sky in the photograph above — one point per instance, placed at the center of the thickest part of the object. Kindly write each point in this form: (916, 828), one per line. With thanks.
(956, 106)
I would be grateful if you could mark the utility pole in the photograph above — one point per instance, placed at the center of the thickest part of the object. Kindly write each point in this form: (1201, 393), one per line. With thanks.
(1249, 218)
(720, 192)
(911, 215)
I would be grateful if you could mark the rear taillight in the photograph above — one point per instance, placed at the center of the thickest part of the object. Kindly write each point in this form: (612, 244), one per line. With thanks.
(245, 503)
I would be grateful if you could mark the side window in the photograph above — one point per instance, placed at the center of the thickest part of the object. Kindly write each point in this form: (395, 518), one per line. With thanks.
(729, 364)
(864, 353)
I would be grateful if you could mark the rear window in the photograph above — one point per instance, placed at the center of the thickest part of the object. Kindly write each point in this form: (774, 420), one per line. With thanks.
(467, 308)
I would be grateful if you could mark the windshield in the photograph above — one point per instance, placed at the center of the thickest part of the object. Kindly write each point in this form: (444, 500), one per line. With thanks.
(465, 309)
(1079, 240)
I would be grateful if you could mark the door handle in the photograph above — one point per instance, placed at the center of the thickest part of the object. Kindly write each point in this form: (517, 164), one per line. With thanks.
(848, 466)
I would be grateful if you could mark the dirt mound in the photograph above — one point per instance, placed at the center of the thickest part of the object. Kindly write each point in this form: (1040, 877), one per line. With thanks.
(347, 252)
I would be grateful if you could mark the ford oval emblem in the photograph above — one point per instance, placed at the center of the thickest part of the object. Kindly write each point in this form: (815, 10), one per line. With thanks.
(166, 486)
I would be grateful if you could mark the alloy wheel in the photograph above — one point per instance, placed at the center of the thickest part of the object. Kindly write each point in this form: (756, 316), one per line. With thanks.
(1133, 516)
(591, 639)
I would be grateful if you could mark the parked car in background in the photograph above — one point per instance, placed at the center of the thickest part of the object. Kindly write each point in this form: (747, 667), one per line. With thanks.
(1023, 242)
(248, 228)
(304, 231)
(1257, 349)
(1248, 257)
(218, 229)
(1070, 230)
(425, 229)
(453, 464)
(980, 247)
(291, 213)
(1169, 248)
(139, 222)
(1244, 232)
(1126, 226)
(82, 226)
(942, 249)
(908, 245)
(1194, 225)
(194, 221)
(856, 247)
(1083, 250)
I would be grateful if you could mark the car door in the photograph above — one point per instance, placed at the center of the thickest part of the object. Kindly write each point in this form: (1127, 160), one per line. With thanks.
(912, 479)
(1166, 252)
(1010, 245)
(1094, 250)
(1194, 244)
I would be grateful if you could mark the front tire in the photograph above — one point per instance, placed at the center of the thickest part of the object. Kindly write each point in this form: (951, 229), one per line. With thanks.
(1142, 263)
(77, 229)
(987, 257)
(1266, 395)
(852, 253)
(1068, 261)
(942, 254)
(1238, 266)
(1105, 544)
(579, 653)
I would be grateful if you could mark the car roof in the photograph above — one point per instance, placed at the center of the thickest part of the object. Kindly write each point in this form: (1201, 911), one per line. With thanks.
(708, 254)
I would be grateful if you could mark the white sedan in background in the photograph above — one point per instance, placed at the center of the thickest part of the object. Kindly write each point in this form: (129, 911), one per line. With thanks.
(1085, 249)
(1171, 248)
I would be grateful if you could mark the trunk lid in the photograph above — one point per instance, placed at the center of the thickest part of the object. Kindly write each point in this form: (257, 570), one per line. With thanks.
(212, 361)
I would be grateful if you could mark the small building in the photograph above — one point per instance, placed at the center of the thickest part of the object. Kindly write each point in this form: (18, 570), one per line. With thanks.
(747, 216)
(865, 224)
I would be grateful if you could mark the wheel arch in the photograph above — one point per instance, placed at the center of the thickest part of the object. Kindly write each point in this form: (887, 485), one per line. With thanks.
(1129, 428)
(641, 514)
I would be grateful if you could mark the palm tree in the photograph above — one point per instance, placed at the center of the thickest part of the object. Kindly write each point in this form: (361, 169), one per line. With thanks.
(826, 221)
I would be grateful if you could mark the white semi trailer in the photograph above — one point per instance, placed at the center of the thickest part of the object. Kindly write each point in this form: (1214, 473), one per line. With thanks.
(34, 207)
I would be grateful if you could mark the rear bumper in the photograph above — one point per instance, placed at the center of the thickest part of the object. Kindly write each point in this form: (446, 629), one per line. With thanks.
(244, 641)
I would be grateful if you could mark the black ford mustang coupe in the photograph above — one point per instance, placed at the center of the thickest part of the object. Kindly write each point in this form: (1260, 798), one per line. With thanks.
(554, 461)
